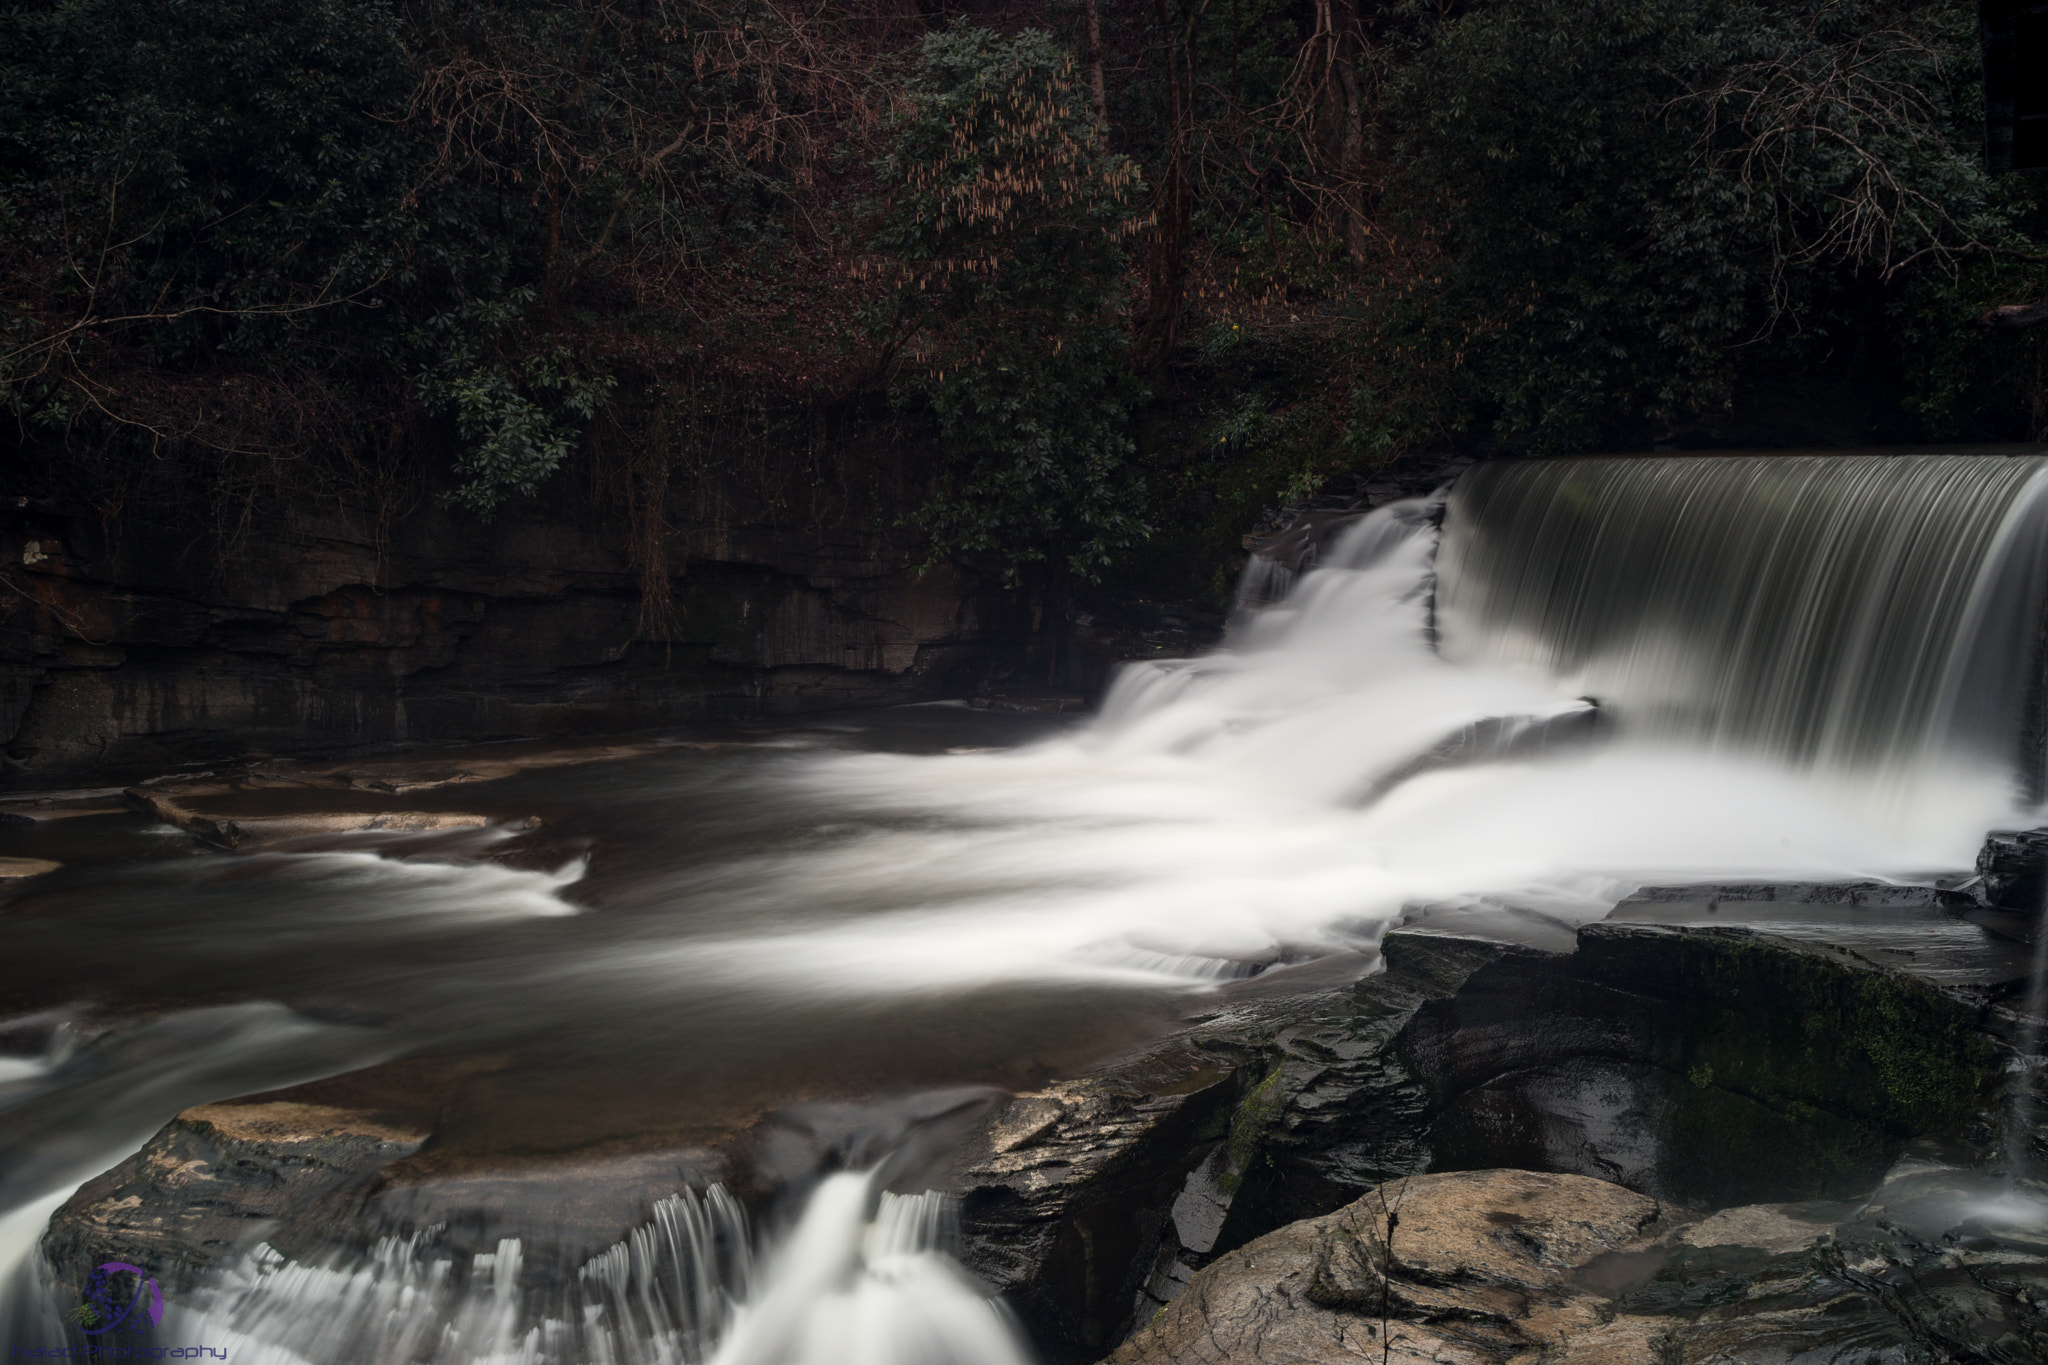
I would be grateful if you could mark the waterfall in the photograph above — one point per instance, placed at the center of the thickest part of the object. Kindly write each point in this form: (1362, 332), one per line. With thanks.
(1513, 704)
(864, 1277)
(862, 1283)
(1873, 617)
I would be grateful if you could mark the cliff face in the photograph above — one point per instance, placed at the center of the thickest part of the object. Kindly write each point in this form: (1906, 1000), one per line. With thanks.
(124, 650)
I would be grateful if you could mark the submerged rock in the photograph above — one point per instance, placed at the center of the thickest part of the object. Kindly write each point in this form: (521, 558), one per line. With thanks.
(251, 831)
(1497, 739)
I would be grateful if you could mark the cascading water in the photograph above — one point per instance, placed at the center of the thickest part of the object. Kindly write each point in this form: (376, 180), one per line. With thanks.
(863, 1278)
(1875, 617)
(1800, 670)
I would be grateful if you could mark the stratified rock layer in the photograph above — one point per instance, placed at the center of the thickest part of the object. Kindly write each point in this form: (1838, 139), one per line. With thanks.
(324, 630)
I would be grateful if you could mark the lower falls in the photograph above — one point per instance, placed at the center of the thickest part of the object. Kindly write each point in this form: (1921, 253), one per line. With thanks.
(788, 1045)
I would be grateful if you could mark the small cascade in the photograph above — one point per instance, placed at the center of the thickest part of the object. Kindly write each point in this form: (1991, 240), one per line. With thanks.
(86, 1103)
(675, 1278)
(1265, 580)
(865, 1277)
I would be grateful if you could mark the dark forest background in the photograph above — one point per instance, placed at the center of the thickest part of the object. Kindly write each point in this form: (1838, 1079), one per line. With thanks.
(1096, 280)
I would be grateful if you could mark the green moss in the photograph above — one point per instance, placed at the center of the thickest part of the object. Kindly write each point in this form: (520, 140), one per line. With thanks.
(1255, 1115)
(1800, 1072)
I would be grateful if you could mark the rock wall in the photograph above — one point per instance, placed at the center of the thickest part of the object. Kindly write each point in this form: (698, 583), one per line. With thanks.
(127, 650)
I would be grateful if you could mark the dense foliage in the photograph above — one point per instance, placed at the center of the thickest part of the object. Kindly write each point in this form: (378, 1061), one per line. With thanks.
(1108, 278)
(1007, 218)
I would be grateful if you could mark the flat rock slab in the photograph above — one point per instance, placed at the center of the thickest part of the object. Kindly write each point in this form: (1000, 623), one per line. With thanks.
(250, 831)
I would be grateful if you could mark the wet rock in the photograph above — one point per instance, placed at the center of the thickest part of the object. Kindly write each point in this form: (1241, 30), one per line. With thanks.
(2013, 868)
(252, 831)
(217, 1179)
(13, 868)
(1296, 542)
(561, 1211)
(1115, 631)
(317, 1181)
(1497, 739)
(2009, 894)
(42, 810)
(1041, 700)
(1702, 1065)
(322, 1175)
(1498, 1266)
(1466, 1267)
(1065, 1191)
(430, 772)
(336, 628)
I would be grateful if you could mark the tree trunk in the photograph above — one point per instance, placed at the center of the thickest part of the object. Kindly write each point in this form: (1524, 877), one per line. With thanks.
(2015, 315)
(1348, 41)
(1166, 263)
(1095, 82)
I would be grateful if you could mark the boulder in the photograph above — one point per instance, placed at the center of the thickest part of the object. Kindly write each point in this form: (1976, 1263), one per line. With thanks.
(1466, 1267)
(1490, 1267)
(1065, 1191)
(219, 1177)
(1701, 1065)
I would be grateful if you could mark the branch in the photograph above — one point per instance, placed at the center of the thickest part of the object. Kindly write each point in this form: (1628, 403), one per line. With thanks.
(2015, 315)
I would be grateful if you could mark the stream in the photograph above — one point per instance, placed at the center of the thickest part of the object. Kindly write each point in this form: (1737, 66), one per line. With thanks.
(1598, 675)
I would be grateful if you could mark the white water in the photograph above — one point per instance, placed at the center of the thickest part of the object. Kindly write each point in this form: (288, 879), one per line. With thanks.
(863, 1278)
(865, 1281)
(1872, 617)
(1296, 793)
(1231, 811)
(93, 1104)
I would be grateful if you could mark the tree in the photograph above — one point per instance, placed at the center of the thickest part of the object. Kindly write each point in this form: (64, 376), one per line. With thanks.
(1627, 193)
(1004, 230)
